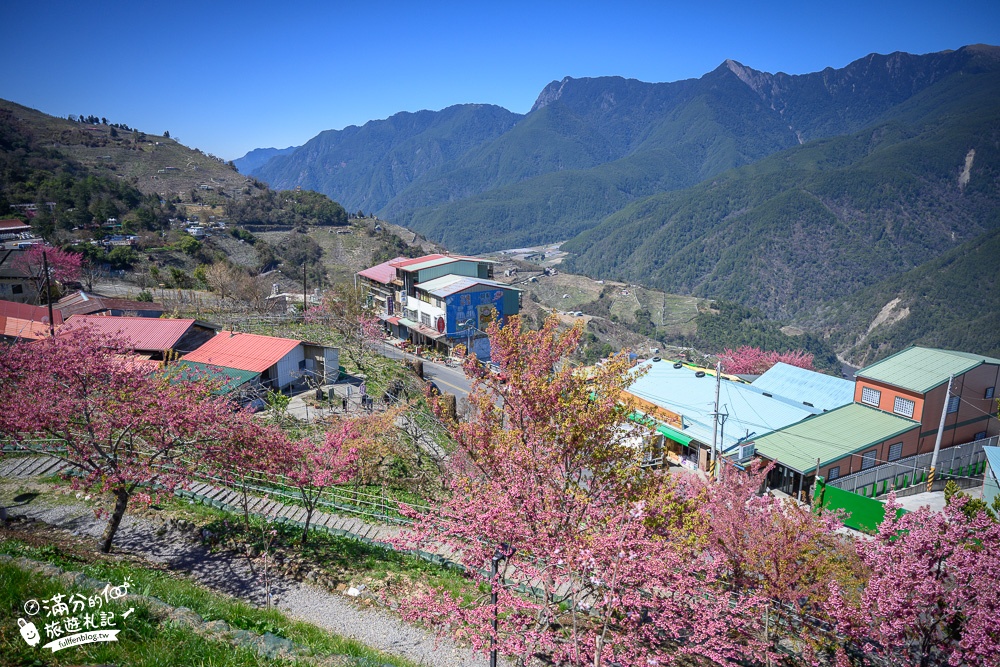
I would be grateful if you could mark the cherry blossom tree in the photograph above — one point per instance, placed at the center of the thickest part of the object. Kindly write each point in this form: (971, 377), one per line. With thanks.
(249, 452)
(754, 361)
(931, 597)
(63, 265)
(314, 465)
(549, 465)
(345, 310)
(129, 432)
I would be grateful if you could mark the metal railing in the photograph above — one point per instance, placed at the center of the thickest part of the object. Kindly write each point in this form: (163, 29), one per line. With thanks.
(959, 461)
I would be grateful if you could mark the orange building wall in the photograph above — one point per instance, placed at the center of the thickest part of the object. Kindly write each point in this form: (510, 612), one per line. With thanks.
(888, 397)
(962, 426)
(851, 463)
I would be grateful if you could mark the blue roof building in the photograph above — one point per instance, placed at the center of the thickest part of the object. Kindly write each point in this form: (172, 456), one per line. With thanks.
(682, 401)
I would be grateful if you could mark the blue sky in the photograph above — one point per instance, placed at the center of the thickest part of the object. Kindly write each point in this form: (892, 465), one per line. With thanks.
(228, 77)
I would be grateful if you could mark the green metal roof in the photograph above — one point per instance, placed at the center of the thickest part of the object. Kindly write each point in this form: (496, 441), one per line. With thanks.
(831, 436)
(920, 369)
(231, 378)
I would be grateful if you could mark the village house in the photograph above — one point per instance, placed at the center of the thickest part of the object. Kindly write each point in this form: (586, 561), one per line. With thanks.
(152, 338)
(681, 400)
(886, 436)
(440, 300)
(91, 303)
(275, 363)
(21, 321)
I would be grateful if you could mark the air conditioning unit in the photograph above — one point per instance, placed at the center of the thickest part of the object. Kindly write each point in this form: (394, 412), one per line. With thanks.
(402, 299)
(745, 452)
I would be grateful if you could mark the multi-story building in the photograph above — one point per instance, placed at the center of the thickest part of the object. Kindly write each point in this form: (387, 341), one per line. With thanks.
(440, 300)
(896, 415)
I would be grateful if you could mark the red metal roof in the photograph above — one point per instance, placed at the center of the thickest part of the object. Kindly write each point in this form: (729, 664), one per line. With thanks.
(142, 333)
(28, 312)
(242, 351)
(383, 273)
(13, 225)
(407, 262)
(84, 303)
(21, 320)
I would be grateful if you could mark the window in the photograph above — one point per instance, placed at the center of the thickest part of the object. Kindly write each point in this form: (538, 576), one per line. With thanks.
(17, 289)
(989, 392)
(903, 406)
(833, 474)
(980, 436)
(895, 451)
(870, 396)
(868, 459)
(953, 404)
(425, 319)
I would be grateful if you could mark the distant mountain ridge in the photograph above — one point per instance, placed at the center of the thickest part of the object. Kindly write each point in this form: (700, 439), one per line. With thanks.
(259, 157)
(635, 139)
(784, 192)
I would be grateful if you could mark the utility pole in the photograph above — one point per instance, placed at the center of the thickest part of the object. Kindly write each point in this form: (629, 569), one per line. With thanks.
(716, 464)
(937, 441)
(305, 295)
(815, 497)
(48, 294)
(723, 416)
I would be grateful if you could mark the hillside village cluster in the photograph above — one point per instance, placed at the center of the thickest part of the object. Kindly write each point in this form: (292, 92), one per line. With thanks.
(881, 432)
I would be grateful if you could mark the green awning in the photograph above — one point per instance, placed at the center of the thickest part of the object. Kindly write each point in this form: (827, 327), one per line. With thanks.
(676, 436)
(662, 429)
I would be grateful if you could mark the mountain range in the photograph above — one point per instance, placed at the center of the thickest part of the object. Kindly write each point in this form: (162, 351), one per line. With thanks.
(790, 193)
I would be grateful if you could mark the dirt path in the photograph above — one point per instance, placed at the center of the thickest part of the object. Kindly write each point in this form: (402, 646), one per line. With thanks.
(225, 573)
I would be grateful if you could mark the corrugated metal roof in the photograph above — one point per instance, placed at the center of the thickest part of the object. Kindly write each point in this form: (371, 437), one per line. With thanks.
(822, 391)
(13, 225)
(831, 436)
(231, 378)
(28, 312)
(83, 303)
(383, 273)
(679, 390)
(993, 456)
(142, 333)
(920, 369)
(403, 263)
(243, 351)
(450, 284)
(441, 282)
(16, 327)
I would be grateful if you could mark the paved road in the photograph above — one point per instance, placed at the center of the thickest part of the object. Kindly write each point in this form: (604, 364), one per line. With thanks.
(449, 380)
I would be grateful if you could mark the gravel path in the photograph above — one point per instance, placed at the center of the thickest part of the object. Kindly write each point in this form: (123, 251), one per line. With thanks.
(233, 576)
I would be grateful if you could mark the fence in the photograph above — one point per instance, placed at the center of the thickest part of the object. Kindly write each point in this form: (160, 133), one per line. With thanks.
(968, 460)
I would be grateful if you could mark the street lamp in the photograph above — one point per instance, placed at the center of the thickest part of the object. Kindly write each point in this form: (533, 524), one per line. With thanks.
(468, 325)
(502, 553)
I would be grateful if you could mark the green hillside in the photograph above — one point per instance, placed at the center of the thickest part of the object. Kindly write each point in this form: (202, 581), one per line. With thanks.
(950, 302)
(821, 221)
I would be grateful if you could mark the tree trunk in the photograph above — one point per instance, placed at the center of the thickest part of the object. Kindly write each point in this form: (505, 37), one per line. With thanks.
(305, 530)
(121, 503)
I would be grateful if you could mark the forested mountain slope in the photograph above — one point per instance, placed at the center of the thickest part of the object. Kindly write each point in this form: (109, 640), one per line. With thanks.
(820, 221)
(479, 178)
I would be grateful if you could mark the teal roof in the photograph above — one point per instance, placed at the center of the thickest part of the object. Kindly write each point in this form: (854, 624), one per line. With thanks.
(750, 410)
(920, 369)
(825, 392)
(231, 378)
(831, 436)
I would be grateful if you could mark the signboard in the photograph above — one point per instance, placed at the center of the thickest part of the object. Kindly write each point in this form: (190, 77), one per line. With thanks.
(480, 307)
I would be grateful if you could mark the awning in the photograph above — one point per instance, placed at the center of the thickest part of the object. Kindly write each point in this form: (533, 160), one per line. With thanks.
(662, 429)
(676, 436)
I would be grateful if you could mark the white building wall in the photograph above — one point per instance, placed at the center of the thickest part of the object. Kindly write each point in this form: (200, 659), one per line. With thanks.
(425, 308)
(288, 365)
